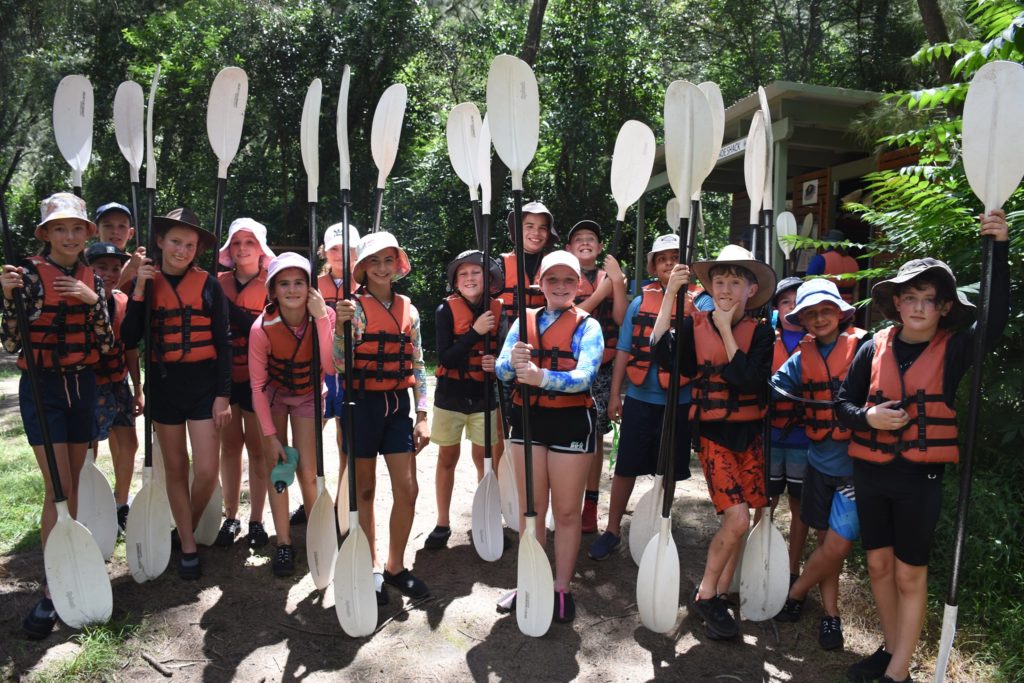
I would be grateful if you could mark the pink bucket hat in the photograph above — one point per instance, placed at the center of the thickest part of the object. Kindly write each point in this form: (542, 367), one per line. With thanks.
(377, 242)
(258, 230)
(63, 205)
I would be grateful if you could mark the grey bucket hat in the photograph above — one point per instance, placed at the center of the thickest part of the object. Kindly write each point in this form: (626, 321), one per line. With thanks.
(963, 311)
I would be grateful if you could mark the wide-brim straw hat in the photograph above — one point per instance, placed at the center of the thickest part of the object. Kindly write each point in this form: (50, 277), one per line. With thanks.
(814, 292)
(963, 311)
(377, 242)
(63, 205)
(257, 229)
(476, 257)
(185, 218)
(735, 255)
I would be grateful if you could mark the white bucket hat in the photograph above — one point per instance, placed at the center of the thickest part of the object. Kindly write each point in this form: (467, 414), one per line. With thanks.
(735, 255)
(63, 205)
(377, 242)
(258, 230)
(336, 235)
(663, 243)
(814, 292)
(558, 258)
(288, 259)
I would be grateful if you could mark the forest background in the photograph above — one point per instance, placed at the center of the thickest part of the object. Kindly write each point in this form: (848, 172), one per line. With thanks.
(598, 63)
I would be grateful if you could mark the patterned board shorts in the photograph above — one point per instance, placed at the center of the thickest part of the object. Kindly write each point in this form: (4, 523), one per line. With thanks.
(115, 406)
(601, 389)
(733, 477)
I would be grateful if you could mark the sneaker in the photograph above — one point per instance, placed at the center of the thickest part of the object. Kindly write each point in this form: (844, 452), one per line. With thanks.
(284, 561)
(602, 548)
(189, 567)
(229, 531)
(298, 517)
(830, 633)
(41, 620)
(870, 668)
(257, 535)
(407, 584)
(790, 612)
(438, 538)
(718, 623)
(382, 592)
(122, 517)
(589, 524)
(565, 607)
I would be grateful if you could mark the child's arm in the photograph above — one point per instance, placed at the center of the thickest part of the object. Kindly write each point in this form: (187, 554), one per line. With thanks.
(615, 393)
(102, 325)
(421, 430)
(218, 303)
(259, 345)
(679, 278)
(787, 377)
(588, 344)
(131, 267)
(503, 367)
(15, 277)
(131, 357)
(324, 319)
(618, 280)
(347, 310)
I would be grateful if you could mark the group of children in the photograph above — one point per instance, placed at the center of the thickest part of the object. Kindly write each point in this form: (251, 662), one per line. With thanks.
(861, 427)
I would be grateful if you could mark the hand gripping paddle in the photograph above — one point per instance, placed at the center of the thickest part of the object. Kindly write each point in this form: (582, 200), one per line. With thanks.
(72, 125)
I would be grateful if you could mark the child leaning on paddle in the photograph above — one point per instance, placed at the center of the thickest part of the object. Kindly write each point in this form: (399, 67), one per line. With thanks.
(280, 356)
(462, 322)
(728, 354)
(828, 504)
(899, 400)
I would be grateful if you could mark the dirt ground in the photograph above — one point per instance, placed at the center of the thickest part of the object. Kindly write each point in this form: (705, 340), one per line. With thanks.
(239, 622)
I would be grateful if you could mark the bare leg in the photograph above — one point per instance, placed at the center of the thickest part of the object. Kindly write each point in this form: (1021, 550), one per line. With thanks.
(174, 447)
(882, 570)
(444, 481)
(402, 470)
(797, 536)
(304, 438)
(366, 485)
(912, 587)
(124, 444)
(622, 489)
(725, 581)
(205, 463)
(540, 488)
(278, 501)
(477, 451)
(721, 551)
(567, 474)
(70, 458)
(259, 480)
(231, 441)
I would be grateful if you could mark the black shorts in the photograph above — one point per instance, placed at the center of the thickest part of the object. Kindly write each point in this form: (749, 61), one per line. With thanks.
(830, 502)
(185, 393)
(69, 406)
(241, 394)
(560, 430)
(898, 509)
(640, 439)
(383, 425)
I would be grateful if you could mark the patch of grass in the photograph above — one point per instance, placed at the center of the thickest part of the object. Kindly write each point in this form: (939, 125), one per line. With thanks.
(103, 651)
(21, 495)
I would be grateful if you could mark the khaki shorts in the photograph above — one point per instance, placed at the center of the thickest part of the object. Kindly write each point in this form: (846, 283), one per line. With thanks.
(446, 428)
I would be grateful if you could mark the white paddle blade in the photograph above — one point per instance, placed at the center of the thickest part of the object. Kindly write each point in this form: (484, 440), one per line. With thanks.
(487, 537)
(97, 510)
(147, 536)
(949, 614)
(535, 587)
(509, 490)
(75, 573)
(209, 521)
(672, 214)
(321, 539)
(150, 153)
(463, 130)
(754, 160)
(72, 123)
(769, 143)
(717, 106)
(344, 165)
(484, 167)
(632, 163)
(657, 582)
(807, 226)
(785, 227)
(513, 105)
(687, 140)
(645, 519)
(355, 599)
(225, 114)
(387, 130)
(764, 572)
(309, 138)
(129, 126)
(993, 141)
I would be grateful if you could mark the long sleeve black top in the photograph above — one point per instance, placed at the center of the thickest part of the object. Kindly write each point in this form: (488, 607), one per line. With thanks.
(460, 395)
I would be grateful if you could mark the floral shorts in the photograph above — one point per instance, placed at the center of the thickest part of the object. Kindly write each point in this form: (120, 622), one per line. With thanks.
(115, 407)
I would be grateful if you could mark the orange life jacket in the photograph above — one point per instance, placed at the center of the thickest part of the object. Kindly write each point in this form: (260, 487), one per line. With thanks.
(251, 299)
(603, 314)
(382, 359)
(784, 412)
(290, 358)
(62, 335)
(820, 379)
(838, 264)
(714, 399)
(534, 297)
(333, 293)
(552, 350)
(113, 365)
(182, 327)
(931, 435)
(641, 353)
(463, 318)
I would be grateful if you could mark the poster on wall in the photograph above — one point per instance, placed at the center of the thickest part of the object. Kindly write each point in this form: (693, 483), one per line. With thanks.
(809, 194)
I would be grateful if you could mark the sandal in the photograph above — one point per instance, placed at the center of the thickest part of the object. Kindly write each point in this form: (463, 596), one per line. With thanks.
(41, 620)
(565, 607)
(438, 538)
(407, 584)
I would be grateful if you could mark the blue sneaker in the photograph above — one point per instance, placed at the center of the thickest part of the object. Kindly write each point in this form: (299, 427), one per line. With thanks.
(602, 548)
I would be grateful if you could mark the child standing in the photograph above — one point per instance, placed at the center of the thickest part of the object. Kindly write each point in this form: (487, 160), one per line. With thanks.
(114, 222)
(899, 399)
(117, 403)
(69, 327)
(602, 293)
(281, 368)
(191, 354)
(245, 285)
(728, 354)
(387, 362)
(538, 236)
(460, 400)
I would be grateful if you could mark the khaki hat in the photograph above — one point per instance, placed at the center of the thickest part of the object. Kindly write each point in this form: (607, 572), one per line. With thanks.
(735, 255)
(63, 205)
(377, 242)
(661, 243)
(534, 207)
(258, 230)
(187, 219)
(963, 311)
(558, 258)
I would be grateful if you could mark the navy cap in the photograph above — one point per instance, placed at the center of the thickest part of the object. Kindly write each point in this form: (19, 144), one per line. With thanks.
(112, 206)
(102, 249)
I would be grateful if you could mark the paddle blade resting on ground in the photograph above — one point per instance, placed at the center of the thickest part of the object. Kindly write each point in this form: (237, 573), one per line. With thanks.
(754, 160)
(513, 107)
(535, 587)
(96, 508)
(646, 516)
(355, 600)
(129, 125)
(487, 537)
(309, 138)
(225, 114)
(75, 573)
(764, 572)
(463, 131)
(785, 229)
(321, 538)
(72, 123)
(657, 582)
(688, 133)
(147, 537)
(484, 167)
(341, 128)
(387, 130)
(993, 146)
(509, 490)
(632, 162)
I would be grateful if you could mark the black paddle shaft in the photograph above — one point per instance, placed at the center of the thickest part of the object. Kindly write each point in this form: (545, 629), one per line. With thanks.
(348, 433)
(616, 236)
(767, 218)
(672, 407)
(316, 380)
(966, 465)
(378, 208)
(524, 389)
(135, 213)
(484, 244)
(147, 331)
(691, 231)
(218, 221)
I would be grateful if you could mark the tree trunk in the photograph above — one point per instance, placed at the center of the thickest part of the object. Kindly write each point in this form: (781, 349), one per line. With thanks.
(936, 32)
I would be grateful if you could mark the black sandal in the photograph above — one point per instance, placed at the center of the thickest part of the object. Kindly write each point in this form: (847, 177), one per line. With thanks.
(438, 538)
(41, 620)
(407, 584)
